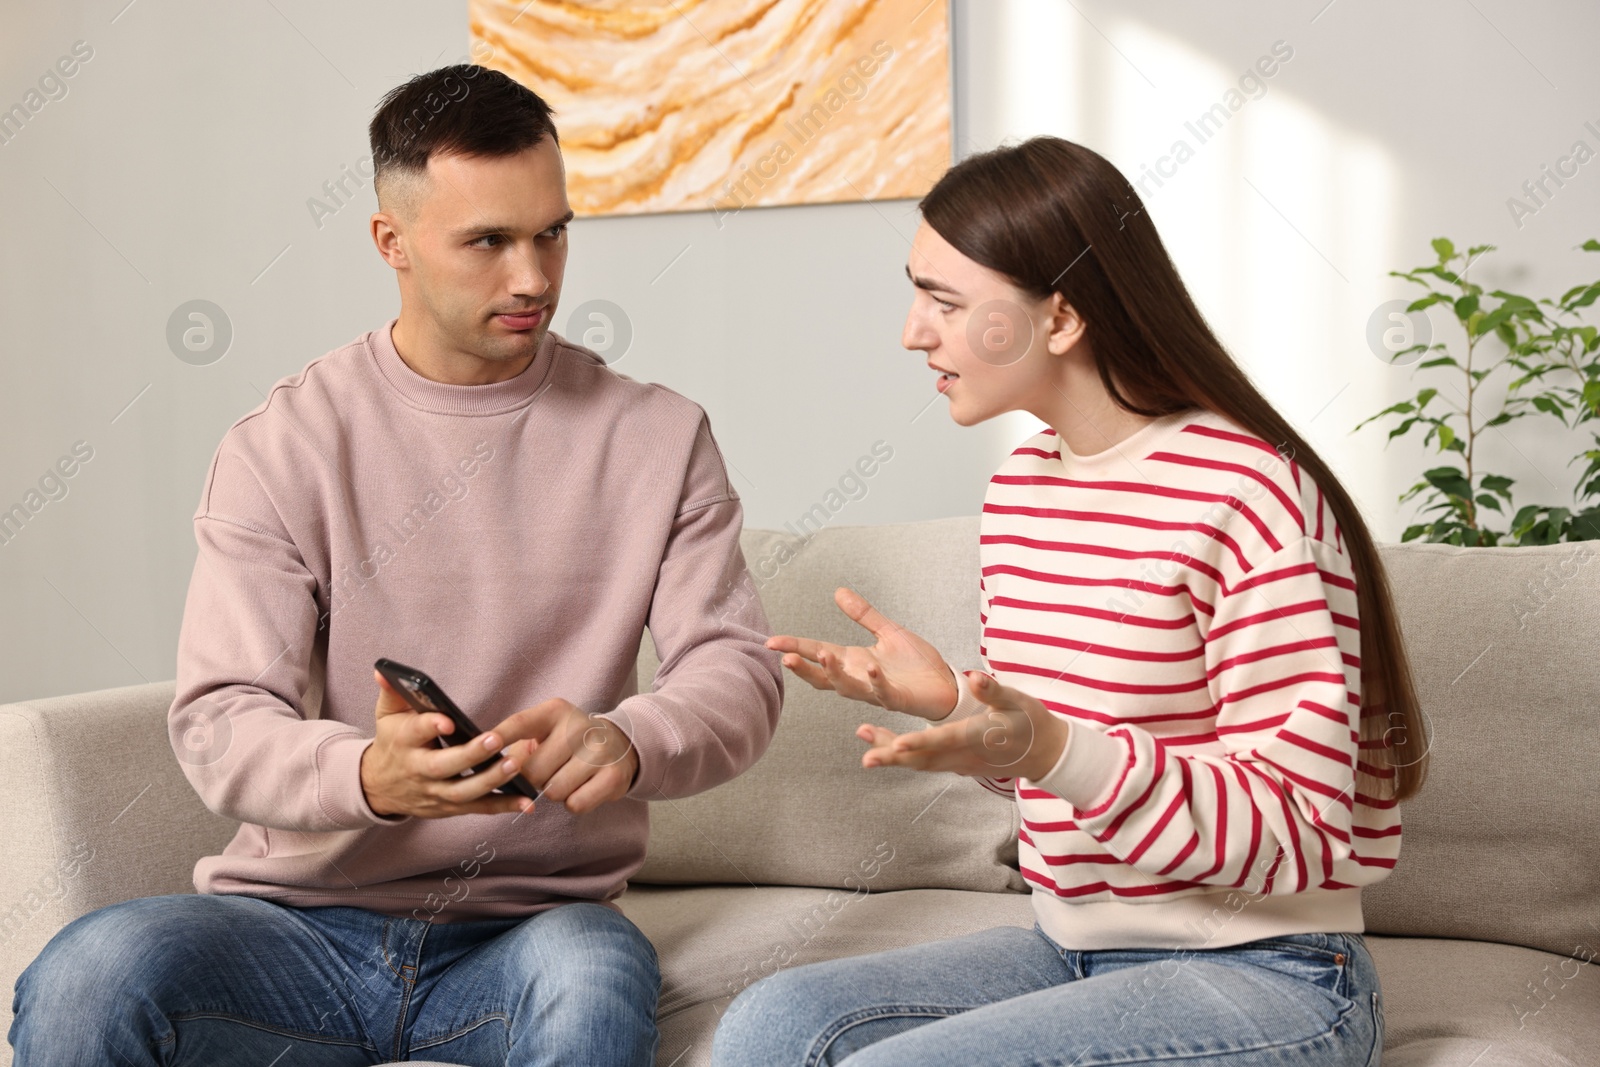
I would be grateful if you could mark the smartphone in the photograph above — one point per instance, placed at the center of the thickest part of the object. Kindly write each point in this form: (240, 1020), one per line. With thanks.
(425, 694)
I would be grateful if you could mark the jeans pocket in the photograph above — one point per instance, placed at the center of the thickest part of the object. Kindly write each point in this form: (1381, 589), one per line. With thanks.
(1307, 957)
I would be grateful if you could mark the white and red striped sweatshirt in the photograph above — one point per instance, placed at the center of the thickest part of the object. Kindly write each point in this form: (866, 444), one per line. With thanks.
(1184, 600)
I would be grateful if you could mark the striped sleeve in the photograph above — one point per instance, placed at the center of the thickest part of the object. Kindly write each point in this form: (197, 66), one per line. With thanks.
(1270, 808)
(968, 705)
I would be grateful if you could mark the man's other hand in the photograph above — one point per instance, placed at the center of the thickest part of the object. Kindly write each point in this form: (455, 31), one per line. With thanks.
(580, 760)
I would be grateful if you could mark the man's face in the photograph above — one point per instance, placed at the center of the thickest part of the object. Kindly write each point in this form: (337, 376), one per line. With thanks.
(484, 243)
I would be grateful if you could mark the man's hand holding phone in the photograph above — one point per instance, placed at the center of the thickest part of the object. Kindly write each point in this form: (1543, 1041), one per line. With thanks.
(575, 758)
(405, 772)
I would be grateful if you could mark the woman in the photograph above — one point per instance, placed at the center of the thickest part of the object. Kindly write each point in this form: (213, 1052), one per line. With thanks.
(1196, 688)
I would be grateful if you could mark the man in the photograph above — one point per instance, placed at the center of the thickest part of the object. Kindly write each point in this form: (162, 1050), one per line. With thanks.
(468, 493)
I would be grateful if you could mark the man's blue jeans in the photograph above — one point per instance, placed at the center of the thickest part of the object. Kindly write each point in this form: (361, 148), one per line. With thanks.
(1011, 997)
(212, 980)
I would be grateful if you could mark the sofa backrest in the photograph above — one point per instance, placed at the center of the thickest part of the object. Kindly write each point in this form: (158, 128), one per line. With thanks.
(807, 813)
(1499, 844)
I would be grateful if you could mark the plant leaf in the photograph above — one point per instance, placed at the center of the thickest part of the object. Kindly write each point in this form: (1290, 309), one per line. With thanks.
(1448, 480)
(1423, 303)
(1513, 301)
(1491, 322)
(1402, 428)
(1585, 525)
(1590, 294)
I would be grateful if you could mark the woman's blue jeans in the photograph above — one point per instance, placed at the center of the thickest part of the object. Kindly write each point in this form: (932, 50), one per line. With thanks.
(212, 980)
(1011, 997)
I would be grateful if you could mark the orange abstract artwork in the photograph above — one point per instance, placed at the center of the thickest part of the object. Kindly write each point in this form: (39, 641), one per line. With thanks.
(719, 105)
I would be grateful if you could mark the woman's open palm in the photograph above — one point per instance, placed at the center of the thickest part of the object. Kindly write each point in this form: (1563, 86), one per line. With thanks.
(900, 672)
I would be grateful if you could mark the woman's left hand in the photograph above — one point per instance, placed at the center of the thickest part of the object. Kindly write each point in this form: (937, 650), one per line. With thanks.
(1017, 737)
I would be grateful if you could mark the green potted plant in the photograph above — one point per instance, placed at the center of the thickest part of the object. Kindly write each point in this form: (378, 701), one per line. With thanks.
(1552, 358)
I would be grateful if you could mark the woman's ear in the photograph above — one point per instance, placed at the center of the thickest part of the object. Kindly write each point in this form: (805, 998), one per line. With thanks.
(1065, 326)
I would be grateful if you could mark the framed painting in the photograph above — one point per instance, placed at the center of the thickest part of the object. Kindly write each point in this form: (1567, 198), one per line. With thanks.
(719, 105)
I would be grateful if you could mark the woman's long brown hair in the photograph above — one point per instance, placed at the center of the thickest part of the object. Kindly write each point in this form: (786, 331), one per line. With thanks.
(1053, 216)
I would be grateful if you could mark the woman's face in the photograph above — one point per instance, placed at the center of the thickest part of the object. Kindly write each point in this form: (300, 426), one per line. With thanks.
(990, 343)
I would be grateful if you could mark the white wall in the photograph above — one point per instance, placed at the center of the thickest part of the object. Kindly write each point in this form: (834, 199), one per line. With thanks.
(179, 163)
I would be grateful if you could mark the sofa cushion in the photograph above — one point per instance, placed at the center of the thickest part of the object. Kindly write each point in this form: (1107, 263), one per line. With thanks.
(714, 941)
(1475, 1004)
(1500, 843)
(808, 814)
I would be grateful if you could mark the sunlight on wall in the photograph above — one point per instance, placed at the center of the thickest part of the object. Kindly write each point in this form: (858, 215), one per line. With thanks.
(1035, 93)
(1280, 220)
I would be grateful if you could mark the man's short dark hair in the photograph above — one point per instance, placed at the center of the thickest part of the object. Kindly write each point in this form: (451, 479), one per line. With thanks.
(465, 109)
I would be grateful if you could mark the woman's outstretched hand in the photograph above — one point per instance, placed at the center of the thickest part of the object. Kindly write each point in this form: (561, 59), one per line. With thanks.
(1018, 737)
(901, 672)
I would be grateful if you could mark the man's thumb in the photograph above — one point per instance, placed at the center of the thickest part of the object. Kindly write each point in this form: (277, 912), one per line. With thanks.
(389, 699)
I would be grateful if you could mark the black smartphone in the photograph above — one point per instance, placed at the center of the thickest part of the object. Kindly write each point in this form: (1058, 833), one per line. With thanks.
(425, 694)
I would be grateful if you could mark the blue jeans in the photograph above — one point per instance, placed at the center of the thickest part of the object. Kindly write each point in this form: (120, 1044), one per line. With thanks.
(212, 980)
(1011, 997)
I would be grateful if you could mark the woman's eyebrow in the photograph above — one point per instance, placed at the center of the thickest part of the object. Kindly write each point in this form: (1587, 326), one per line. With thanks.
(930, 286)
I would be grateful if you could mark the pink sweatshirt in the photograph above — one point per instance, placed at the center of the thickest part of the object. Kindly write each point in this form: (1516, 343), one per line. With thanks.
(514, 540)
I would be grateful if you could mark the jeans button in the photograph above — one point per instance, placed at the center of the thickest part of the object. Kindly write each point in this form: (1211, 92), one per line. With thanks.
(1338, 957)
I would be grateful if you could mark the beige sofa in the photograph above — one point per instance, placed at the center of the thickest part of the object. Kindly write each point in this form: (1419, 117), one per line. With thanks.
(1483, 936)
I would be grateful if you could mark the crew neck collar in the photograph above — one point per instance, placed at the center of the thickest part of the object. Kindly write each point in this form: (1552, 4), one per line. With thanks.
(440, 398)
(1130, 449)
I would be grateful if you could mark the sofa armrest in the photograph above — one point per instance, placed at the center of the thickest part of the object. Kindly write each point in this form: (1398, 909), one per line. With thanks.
(95, 810)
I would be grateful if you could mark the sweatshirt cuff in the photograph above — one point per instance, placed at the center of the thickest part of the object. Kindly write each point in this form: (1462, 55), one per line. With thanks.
(339, 791)
(1089, 770)
(654, 739)
(967, 705)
